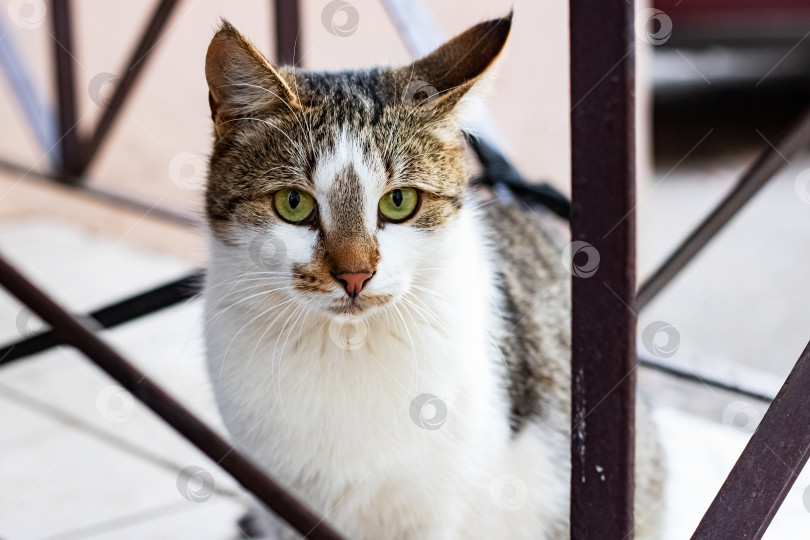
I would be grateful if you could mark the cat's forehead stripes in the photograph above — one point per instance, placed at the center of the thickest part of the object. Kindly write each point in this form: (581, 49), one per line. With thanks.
(346, 203)
(348, 181)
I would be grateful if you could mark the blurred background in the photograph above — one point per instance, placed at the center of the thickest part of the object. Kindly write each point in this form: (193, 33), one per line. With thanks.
(719, 82)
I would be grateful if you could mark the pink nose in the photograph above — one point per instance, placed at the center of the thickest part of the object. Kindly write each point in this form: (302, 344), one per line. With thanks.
(353, 282)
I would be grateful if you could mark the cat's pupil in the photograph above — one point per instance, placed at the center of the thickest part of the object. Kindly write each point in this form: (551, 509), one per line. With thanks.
(294, 198)
(397, 197)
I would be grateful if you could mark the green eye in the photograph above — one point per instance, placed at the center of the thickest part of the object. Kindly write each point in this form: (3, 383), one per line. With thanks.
(293, 205)
(399, 204)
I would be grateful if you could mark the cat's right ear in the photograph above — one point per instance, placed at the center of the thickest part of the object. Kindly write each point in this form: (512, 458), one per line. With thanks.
(241, 82)
(454, 68)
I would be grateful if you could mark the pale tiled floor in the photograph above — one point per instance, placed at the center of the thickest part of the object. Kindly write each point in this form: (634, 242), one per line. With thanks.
(79, 458)
(742, 299)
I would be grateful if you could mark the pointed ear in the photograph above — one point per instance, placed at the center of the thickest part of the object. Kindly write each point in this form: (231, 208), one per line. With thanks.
(452, 69)
(241, 82)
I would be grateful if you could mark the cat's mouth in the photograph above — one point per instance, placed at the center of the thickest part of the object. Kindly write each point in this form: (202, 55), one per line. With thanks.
(359, 304)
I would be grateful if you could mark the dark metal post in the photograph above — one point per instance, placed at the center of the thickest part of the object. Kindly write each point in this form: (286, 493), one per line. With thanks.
(767, 468)
(288, 32)
(603, 319)
(69, 142)
(71, 331)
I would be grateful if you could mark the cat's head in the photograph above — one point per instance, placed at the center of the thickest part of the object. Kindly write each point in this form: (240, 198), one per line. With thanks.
(343, 188)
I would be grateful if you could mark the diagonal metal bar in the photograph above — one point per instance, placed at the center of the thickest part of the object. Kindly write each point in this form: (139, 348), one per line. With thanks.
(71, 331)
(603, 321)
(769, 162)
(110, 316)
(135, 66)
(767, 468)
(69, 142)
(707, 376)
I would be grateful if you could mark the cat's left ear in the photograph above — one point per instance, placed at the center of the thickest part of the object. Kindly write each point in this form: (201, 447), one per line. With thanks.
(241, 82)
(454, 68)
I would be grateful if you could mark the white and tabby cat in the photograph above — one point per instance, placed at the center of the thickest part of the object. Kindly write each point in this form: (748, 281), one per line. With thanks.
(390, 348)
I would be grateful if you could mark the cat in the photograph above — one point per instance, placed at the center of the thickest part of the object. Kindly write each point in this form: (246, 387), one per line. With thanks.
(390, 346)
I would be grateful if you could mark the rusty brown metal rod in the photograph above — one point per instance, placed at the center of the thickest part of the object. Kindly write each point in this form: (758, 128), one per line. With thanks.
(70, 147)
(603, 321)
(127, 80)
(772, 460)
(72, 332)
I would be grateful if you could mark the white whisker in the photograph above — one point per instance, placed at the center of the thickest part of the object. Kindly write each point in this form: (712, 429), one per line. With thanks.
(210, 322)
(282, 100)
(268, 310)
(294, 145)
